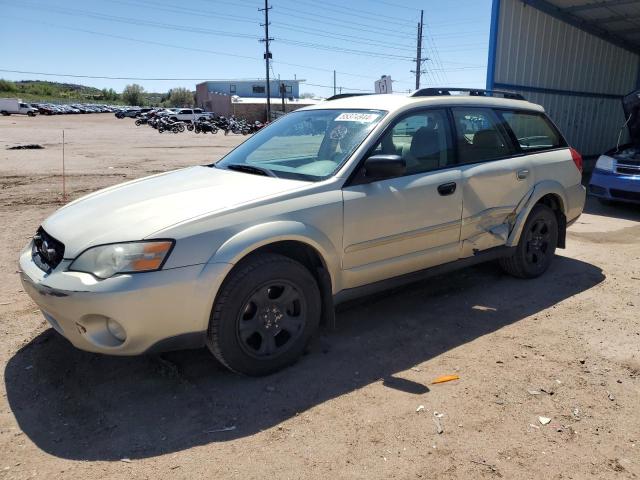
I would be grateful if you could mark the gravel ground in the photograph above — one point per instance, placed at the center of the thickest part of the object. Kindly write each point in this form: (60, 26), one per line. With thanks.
(564, 346)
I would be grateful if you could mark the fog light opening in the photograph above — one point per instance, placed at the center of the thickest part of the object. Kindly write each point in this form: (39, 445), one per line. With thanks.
(116, 330)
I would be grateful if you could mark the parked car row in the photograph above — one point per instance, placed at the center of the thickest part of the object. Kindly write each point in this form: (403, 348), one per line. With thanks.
(53, 109)
(174, 114)
(196, 120)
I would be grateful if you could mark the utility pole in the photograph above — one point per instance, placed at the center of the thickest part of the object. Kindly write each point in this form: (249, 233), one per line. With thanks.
(334, 82)
(418, 71)
(283, 90)
(267, 53)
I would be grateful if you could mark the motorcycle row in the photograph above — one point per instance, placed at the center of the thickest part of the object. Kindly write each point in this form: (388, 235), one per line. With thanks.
(211, 124)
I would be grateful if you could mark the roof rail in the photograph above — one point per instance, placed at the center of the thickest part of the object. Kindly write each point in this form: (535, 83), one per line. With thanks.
(346, 95)
(473, 92)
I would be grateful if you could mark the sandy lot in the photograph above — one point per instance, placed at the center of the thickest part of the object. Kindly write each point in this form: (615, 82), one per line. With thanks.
(565, 346)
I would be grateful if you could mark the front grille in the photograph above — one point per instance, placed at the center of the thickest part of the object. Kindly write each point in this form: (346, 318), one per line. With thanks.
(597, 190)
(47, 252)
(628, 169)
(625, 195)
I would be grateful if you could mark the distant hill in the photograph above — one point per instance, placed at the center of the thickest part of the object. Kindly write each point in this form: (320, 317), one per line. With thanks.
(56, 92)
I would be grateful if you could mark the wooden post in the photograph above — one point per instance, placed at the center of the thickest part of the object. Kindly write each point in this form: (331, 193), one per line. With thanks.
(64, 183)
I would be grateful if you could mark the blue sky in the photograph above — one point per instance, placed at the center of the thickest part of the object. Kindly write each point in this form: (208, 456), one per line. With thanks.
(218, 39)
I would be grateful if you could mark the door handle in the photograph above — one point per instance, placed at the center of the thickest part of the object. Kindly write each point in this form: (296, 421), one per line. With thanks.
(447, 188)
(522, 174)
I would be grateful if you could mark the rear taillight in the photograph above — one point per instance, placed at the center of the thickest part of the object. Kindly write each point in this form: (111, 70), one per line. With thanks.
(577, 158)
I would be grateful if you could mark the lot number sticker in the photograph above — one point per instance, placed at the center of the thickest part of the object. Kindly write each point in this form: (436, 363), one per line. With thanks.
(356, 117)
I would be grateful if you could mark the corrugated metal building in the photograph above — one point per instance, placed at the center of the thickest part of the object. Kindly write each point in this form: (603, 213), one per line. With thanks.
(577, 58)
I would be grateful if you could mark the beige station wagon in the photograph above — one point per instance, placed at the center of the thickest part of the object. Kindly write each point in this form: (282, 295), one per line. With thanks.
(353, 195)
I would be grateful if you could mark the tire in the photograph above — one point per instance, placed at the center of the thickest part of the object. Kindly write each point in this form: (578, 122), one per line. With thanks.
(138, 123)
(253, 329)
(31, 114)
(5, 114)
(536, 248)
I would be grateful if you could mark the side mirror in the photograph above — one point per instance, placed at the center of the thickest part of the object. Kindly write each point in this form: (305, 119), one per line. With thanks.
(379, 167)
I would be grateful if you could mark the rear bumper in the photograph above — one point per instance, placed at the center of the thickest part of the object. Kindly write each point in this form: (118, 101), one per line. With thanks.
(611, 186)
(164, 310)
(576, 196)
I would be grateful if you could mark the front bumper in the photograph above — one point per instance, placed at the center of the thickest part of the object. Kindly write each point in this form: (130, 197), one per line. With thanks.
(163, 310)
(615, 187)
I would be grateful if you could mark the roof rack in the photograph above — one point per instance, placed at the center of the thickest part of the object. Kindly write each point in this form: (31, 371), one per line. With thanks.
(346, 95)
(473, 92)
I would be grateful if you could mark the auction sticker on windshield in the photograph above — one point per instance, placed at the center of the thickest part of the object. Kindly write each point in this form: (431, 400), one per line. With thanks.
(357, 117)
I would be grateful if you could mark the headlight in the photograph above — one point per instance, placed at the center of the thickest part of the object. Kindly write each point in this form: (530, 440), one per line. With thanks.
(107, 260)
(606, 163)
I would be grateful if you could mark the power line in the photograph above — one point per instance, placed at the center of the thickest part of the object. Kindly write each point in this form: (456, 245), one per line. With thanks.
(105, 77)
(350, 13)
(397, 5)
(179, 47)
(282, 25)
(347, 24)
(205, 31)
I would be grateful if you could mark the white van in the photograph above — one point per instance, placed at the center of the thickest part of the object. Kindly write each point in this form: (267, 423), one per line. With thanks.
(15, 105)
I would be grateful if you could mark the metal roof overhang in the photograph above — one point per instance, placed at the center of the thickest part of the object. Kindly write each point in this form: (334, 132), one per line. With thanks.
(616, 21)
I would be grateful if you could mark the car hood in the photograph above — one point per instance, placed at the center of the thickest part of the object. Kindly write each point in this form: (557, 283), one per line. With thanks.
(631, 105)
(136, 209)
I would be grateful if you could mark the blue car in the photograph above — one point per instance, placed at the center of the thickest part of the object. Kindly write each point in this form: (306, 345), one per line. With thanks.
(616, 177)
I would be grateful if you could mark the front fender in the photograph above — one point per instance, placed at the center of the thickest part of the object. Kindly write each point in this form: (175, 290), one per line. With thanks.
(243, 243)
(541, 189)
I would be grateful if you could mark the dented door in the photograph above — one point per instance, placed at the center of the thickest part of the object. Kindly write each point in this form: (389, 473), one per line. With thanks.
(495, 177)
(491, 192)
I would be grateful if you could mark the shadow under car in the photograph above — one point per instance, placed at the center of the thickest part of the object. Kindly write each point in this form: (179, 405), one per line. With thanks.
(83, 406)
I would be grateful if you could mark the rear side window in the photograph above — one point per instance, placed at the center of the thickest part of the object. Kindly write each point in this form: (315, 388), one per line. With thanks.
(480, 135)
(533, 130)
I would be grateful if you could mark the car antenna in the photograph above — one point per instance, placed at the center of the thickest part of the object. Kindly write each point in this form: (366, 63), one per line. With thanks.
(621, 130)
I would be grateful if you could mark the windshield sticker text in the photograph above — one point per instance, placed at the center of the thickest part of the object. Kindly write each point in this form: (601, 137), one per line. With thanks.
(356, 117)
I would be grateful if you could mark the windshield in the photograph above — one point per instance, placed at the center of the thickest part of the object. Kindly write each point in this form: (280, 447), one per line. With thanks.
(308, 144)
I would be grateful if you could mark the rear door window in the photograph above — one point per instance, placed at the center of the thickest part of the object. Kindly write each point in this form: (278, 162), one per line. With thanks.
(480, 135)
(532, 130)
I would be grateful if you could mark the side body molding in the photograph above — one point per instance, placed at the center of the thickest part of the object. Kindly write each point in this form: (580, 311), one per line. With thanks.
(524, 208)
(254, 237)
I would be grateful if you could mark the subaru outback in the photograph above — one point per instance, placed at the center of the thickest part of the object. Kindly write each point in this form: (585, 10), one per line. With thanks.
(249, 255)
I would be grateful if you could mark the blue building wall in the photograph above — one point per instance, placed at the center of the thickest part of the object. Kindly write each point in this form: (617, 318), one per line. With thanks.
(254, 88)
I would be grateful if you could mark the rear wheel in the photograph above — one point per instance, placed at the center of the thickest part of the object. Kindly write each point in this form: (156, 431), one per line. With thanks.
(537, 245)
(266, 312)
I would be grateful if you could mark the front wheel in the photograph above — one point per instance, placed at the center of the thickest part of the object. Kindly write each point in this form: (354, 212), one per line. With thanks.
(266, 312)
(537, 245)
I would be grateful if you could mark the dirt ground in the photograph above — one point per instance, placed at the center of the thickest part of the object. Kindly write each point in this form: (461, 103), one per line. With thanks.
(565, 346)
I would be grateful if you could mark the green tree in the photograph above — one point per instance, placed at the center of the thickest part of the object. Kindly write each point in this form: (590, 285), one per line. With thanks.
(180, 97)
(7, 86)
(133, 94)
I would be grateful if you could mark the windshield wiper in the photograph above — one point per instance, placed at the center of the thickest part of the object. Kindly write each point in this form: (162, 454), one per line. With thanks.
(239, 167)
